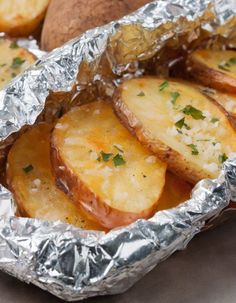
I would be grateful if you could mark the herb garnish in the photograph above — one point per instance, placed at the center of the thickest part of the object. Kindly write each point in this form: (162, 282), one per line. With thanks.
(14, 44)
(194, 149)
(174, 97)
(214, 120)
(106, 156)
(118, 160)
(17, 62)
(28, 168)
(194, 112)
(141, 94)
(222, 158)
(227, 64)
(179, 124)
(163, 85)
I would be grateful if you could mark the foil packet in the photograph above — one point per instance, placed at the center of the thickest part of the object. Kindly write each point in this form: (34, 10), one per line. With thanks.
(75, 264)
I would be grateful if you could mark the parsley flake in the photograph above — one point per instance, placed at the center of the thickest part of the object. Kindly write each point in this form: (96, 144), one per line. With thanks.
(14, 44)
(118, 160)
(141, 94)
(106, 156)
(222, 158)
(189, 110)
(194, 149)
(17, 62)
(223, 67)
(28, 168)
(174, 97)
(163, 85)
(232, 60)
(214, 120)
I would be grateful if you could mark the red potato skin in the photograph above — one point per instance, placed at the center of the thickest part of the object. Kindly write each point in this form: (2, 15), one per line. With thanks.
(210, 77)
(91, 203)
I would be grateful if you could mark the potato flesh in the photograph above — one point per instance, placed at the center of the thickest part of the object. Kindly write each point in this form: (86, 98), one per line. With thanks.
(35, 191)
(9, 70)
(21, 17)
(81, 136)
(156, 111)
(226, 100)
(217, 60)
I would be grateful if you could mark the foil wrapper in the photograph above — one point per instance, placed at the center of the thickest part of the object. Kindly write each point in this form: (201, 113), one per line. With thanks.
(74, 264)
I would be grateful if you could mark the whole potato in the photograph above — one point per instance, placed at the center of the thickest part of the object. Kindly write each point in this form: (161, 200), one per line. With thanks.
(67, 19)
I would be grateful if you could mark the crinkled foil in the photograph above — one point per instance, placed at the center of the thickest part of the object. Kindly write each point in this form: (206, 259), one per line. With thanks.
(75, 264)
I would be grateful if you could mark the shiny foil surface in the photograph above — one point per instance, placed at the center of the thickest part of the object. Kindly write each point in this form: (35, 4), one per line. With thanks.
(75, 264)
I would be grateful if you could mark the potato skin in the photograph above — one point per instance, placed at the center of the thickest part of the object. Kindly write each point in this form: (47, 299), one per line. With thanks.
(211, 77)
(68, 19)
(176, 162)
(87, 199)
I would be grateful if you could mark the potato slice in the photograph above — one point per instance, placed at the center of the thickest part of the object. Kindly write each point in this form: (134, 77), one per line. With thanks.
(13, 60)
(175, 192)
(174, 120)
(103, 168)
(30, 178)
(226, 100)
(215, 69)
(21, 17)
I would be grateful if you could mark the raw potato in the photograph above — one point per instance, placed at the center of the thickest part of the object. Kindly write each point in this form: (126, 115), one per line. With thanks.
(69, 19)
(103, 168)
(21, 17)
(13, 60)
(30, 178)
(174, 120)
(216, 69)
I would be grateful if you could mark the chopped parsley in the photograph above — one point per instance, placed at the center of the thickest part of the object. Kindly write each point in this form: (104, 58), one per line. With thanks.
(223, 67)
(2, 65)
(189, 110)
(13, 75)
(14, 44)
(179, 124)
(222, 158)
(174, 97)
(17, 62)
(227, 64)
(141, 94)
(204, 140)
(214, 120)
(163, 85)
(194, 149)
(119, 149)
(28, 168)
(118, 160)
(106, 156)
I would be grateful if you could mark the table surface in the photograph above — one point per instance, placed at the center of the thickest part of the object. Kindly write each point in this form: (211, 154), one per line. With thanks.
(205, 272)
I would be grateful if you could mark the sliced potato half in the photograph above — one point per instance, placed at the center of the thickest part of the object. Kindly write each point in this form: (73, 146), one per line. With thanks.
(215, 69)
(21, 17)
(103, 168)
(13, 60)
(30, 179)
(180, 125)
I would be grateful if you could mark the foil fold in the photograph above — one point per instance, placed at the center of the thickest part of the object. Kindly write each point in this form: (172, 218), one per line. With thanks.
(75, 264)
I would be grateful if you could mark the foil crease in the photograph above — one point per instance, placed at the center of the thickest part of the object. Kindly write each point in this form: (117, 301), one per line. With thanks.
(74, 264)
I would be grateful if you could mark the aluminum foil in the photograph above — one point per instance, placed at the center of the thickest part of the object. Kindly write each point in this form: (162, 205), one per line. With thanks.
(74, 264)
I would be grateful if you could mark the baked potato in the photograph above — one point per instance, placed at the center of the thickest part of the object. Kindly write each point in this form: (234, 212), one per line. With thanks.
(31, 181)
(68, 19)
(184, 128)
(20, 18)
(103, 168)
(216, 69)
(13, 60)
